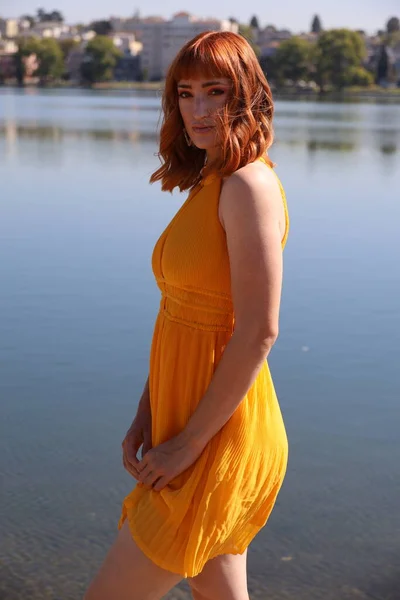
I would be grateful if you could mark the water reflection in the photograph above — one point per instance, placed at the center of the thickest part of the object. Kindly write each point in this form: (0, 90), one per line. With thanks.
(307, 137)
(11, 132)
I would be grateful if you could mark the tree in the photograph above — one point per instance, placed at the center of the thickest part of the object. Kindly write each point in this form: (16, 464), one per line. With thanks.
(100, 59)
(337, 51)
(56, 16)
(254, 23)
(382, 68)
(30, 19)
(25, 47)
(269, 68)
(41, 15)
(247, 32)
(316, 26)
(66, 46)
(292, 60)
(359, 76)
(101, 27)
(393, 25)
(51, 60)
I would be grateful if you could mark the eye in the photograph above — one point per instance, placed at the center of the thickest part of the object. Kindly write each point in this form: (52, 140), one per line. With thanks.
(217, 92)
(183, 94)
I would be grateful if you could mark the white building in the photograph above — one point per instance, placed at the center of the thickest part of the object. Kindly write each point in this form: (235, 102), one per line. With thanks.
(48, 29)
(8, 47)
(8, 28)
(163, 39)
(127, 43)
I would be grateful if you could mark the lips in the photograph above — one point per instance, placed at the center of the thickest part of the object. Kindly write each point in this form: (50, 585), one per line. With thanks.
(202, 128)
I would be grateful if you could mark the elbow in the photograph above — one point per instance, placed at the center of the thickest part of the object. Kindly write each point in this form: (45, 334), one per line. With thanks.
(262, 337)
(267, 338)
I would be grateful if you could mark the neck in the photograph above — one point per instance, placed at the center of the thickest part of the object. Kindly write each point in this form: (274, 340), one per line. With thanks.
(212, 156)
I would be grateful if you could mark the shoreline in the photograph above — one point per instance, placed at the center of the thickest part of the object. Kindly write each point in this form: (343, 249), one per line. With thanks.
(373, 93)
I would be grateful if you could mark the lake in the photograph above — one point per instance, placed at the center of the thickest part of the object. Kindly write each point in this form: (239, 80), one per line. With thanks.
(78, 222)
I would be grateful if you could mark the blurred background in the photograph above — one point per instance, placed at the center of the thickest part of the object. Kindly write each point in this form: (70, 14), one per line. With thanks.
(79, 121)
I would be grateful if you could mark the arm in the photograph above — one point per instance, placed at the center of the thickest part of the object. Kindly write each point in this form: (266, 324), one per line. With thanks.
(251, 210)
(144, 402)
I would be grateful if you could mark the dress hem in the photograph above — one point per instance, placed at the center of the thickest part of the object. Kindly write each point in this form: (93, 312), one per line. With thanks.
(162, 564)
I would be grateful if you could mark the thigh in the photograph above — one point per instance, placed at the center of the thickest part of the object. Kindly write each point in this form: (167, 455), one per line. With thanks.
(224, 576)
(128, 574)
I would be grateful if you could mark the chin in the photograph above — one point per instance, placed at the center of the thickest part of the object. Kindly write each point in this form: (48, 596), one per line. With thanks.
(204, 144)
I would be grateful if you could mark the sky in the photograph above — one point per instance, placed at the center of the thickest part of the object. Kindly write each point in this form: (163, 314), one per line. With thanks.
(295, 15)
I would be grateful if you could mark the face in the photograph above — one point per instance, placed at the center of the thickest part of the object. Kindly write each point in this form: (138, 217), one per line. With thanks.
(199, 100)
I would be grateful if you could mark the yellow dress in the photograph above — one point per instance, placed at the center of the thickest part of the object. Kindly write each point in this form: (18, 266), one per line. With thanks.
(221, 502)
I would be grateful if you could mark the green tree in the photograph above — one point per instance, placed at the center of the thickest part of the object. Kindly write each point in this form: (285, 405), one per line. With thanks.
(393, 25)
(67, 45)
(25, 47)
(359, 76)
(53, 15)
(56, 16)
(101, 27)
(254, 22)
(51, 60)
(337, 52)
(247, 32)
(292, 60)
(99, 61)
(316, 25)
(382, 68)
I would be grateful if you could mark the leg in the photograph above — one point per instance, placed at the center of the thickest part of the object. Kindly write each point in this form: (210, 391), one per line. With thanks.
(222, 577)
(128, 574)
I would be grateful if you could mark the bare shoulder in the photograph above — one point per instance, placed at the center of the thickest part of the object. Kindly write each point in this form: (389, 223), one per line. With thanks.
(252, 189)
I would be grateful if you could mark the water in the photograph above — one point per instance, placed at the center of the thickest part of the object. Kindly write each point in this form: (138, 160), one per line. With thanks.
(78, 303)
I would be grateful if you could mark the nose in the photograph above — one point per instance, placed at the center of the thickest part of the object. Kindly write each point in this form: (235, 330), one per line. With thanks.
(200, 109)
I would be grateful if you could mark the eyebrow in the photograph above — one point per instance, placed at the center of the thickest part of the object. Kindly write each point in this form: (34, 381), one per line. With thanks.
(204, 85)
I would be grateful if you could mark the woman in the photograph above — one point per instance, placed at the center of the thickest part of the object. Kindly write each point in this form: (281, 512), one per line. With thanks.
(214, 445)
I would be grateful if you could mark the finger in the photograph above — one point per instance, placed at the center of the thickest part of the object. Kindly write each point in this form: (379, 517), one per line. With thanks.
(131, 450)
(130, 457)
(146, 447)
(129, 468)
(144, 472)
(142, 464)
(161, 483)
(150, 478)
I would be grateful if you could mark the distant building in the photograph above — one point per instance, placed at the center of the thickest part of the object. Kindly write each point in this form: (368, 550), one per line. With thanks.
(8, 28)
(128, 68)
(163, 39)
(8, 47)
(48, 29)
(7, 66)
(270, 38)
(127, 43)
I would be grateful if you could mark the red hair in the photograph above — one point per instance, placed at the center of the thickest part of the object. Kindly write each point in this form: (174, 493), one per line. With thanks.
(244, 125)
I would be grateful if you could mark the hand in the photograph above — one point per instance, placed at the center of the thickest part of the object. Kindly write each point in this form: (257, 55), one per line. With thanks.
(166, 461)
(138, 433)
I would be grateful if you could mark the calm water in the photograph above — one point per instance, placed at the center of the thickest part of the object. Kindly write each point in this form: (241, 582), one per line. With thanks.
(78, 222)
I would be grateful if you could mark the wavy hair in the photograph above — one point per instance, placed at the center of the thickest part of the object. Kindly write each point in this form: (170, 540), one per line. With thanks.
(243, 126)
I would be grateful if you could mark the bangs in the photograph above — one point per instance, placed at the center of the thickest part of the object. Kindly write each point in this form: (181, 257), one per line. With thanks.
(202, 59)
